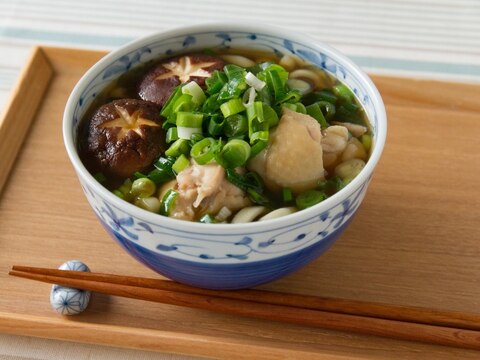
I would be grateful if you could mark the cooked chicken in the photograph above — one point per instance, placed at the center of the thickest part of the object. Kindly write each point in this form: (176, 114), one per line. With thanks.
(204, 189)
(334, 143)
(293, 157)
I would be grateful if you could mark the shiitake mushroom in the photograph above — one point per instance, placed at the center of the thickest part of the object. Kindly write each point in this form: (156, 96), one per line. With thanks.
(124, 136)
(158, 83)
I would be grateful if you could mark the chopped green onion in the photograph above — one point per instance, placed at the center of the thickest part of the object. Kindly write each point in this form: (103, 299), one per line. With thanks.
(257, 147)
(211, 105)
(270, 115)
(179, 147)
(235, 153)
(215, 125)
(189, 119)
(215, 82)
(207, 219)
(309, 198)
(251, 183)
(167, 108)
(180, 164)
(236, 82)
(287, 195)
(292, 96)
(187, 132)
(172, 135)
(254, 82)
(349, 113)
(118, 193)
(256, 112)
(195, 91)
(315, 112)
(235, 125)
(328, 109)
(184, 103)
(143, 187)
(204, 151)
(331, 186)
(100, 177)
(249, 97)
(139, 175)
(261, 136)
(168, 202)
(322, 95)
(163, 170)
(343, 93)
(232, 107)
(189, 123)
(196, 138)
(275, 85)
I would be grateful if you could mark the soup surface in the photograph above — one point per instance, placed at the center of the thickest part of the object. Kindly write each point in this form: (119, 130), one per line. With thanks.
(225, 137)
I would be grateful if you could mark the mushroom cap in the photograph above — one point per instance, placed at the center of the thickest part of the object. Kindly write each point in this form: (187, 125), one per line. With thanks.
(158, 83)
(125, 136)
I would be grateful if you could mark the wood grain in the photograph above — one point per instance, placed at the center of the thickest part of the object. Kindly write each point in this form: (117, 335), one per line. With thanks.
(414, 241)
(21, 109)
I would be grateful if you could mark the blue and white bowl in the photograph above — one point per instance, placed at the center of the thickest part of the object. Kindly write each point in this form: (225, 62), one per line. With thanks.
(224, 256)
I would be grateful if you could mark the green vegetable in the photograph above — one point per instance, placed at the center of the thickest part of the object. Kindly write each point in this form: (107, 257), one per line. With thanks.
(189, 119)
(172, 135)
(215, 82)
(179, 147)
(309, 198)
(100, 177)
(343, 93)
(205, 150)
(235, 125)
(180, 164)
(235, 153)
(287, 195)
(168, 202)
(232, 107)
(315, 112)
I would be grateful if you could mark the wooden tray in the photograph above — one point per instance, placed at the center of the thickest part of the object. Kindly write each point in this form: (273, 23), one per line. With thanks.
(415, 240)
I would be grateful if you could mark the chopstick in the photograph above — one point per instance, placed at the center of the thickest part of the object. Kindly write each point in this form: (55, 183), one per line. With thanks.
(400, 322)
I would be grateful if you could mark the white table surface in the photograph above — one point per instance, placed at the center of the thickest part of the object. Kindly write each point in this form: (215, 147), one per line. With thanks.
(437, 39)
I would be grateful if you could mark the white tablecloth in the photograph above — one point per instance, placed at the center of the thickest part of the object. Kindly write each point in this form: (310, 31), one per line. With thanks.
(430, 38)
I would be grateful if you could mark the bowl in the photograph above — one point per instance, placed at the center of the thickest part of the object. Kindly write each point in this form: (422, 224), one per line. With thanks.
(224, 256)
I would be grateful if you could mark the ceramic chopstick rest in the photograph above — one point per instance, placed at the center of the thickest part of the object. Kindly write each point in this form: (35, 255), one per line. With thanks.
(70, 301)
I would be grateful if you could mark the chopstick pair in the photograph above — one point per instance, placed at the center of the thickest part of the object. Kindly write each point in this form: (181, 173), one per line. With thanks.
(399, 322)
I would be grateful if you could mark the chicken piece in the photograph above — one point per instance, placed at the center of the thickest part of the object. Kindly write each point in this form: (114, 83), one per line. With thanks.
(334, 143)
(204, 189)
(293, 157)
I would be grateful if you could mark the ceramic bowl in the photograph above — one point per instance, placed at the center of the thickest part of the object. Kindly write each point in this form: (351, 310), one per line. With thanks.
(224, 256)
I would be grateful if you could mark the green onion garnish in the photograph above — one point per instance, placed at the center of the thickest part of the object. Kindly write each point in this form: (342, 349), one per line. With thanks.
(232, 107)
(309, 198)
(172, 135)
(189, 119)
(195, 91)
(287, 195)
(204, 151)
(100, 177)
(343, 93)
(168, 202)
(235, 125)
(179, 147)
(235, 153)
(215, 82)
(215, 125)
(315, 112)
(180, 164)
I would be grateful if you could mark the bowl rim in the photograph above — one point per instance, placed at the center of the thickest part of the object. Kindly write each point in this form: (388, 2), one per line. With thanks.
(297, 217)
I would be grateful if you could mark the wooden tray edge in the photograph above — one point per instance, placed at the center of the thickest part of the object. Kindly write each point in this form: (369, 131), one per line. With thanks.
(151, 339)
(17, 118)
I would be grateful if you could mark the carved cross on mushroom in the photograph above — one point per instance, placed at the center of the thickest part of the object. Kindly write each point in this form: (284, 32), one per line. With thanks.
(127, 122)
(184, 69)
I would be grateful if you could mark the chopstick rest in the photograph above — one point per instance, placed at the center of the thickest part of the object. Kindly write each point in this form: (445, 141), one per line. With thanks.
(67, 300)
